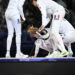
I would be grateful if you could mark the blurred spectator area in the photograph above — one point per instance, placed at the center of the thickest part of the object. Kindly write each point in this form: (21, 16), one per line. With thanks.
(3, 6)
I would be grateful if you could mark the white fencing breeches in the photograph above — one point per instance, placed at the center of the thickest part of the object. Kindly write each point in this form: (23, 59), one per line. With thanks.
(13, 25)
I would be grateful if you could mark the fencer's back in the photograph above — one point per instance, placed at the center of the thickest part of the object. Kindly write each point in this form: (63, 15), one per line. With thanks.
(13, 4)
(50, 4)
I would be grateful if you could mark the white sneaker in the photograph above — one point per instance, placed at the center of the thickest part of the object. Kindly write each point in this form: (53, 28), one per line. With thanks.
(20, 55)
(55, 54)
(48, 56)
(8, 55)
(65, 53)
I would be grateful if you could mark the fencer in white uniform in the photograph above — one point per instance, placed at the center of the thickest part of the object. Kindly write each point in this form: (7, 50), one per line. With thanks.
(13, 16)
(67, 33)
(48, 7)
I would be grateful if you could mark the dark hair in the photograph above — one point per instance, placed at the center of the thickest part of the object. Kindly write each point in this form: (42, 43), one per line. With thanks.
(28, 3)
(32, 13)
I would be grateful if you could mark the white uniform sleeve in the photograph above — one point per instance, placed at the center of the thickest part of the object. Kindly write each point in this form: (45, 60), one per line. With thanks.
(42, 7)
(20, 8)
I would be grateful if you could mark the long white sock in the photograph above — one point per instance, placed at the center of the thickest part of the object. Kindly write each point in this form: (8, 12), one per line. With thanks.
(9, 42)
(69, 47)
(18, 43)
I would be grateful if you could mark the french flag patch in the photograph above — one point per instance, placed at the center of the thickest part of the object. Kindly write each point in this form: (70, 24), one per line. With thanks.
(56, 17)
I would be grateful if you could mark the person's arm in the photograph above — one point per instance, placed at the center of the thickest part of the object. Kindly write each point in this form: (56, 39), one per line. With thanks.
(20, 8)
(45, 20)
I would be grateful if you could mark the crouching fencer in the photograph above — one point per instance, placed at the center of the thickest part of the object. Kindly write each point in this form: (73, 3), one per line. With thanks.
(47, 8)
(44, 40)
(13, 20)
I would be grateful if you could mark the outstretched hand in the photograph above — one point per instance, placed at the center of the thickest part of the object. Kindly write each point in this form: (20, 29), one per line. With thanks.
(23, 20)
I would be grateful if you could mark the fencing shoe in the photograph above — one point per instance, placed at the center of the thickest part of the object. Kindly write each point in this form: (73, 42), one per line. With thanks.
(20, 55)
(65, 53)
